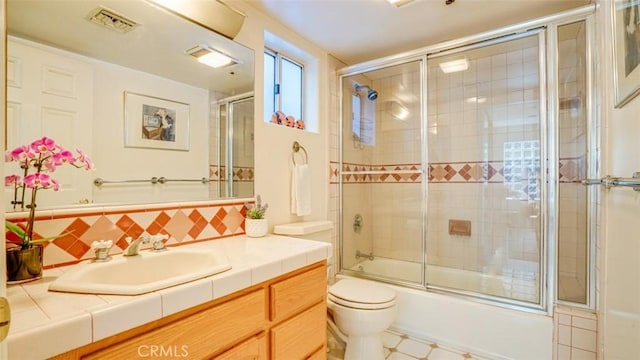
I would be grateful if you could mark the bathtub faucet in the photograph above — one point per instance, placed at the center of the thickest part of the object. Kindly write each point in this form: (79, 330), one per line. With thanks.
(359, 255)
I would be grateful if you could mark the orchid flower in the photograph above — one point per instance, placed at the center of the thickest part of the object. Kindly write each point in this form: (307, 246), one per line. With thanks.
(40, 157)
(63, 157)
(38, 181)
(21, 154)
(44, 145)
(10, 180)
(88, 164)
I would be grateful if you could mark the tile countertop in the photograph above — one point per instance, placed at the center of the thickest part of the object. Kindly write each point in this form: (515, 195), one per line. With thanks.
(59, 322)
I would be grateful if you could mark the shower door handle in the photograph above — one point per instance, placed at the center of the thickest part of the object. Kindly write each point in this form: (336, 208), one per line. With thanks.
(611, 181)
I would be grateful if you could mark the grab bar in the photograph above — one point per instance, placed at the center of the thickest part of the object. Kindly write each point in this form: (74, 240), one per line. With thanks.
(154, 180)
(611, 181)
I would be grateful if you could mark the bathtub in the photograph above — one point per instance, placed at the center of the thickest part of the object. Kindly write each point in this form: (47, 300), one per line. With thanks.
(486, 330)
(519, 285)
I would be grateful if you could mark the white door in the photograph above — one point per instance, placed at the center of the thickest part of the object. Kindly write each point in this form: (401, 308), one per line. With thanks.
(49, 94)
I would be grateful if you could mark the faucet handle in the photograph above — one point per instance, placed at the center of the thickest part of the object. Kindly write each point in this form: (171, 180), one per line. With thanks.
(101, 249)
(156, 242)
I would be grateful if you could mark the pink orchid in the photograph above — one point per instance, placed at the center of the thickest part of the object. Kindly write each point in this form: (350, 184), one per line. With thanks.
(49, 164)
(85, 160)
(44, 145)
(55, 185)
(12, 180)
(36, 160)
(21, 154)
(63, 157)
(37, 180)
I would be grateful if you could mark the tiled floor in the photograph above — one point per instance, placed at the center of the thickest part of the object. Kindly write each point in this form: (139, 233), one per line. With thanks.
(401, 347)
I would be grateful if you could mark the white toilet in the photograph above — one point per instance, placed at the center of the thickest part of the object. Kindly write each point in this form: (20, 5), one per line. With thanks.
(361, 310)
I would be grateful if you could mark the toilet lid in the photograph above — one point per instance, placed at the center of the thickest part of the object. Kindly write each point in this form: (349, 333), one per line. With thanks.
(361, 292)
(359, 305)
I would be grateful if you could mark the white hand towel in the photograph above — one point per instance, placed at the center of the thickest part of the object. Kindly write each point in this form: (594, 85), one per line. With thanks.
(301, 190)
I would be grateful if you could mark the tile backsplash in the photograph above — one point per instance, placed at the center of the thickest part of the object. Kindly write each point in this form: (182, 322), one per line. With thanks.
(183, 222)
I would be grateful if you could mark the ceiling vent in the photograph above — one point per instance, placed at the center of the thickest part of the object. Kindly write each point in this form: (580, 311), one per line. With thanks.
(111, 20)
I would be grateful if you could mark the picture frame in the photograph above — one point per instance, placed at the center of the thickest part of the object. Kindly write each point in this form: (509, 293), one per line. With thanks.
(626, 42)
(155, 123)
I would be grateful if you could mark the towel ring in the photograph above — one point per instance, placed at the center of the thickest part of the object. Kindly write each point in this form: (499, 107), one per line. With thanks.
(296, 148)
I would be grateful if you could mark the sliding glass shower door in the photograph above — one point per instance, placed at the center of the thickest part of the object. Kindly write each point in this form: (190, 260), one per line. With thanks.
(234, 159)
(460, 170)
(382, 167)
(486, 180)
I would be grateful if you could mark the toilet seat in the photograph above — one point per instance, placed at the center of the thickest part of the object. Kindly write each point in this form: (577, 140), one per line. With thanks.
(359, 294)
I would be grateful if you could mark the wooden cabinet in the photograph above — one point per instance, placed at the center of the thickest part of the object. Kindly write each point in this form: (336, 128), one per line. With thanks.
(299, 337)
(199, 335)
(297, 293)
(284, 318)
(253, 349)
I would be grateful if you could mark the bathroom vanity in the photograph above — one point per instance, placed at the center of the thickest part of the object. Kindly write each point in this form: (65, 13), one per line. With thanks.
(270, 305)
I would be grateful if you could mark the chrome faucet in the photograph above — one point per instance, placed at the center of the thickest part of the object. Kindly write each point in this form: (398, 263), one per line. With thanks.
(134, 246)
(360, 254)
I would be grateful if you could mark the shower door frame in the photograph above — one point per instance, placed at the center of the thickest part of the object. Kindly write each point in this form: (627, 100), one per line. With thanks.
(548, 70)
(593, 142)
(376, 65)
(547, 204)
(228, 133)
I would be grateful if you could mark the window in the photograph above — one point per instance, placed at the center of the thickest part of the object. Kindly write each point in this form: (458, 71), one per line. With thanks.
(283, 84)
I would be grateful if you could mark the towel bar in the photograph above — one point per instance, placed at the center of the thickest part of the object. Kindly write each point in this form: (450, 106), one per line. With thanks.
(154, 180)
(611, 181)
(296, 148)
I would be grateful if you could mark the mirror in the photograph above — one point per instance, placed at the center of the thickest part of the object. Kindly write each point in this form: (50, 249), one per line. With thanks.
(98, 75)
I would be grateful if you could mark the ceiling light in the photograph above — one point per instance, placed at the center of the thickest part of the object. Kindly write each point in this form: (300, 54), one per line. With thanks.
(454, 66)
(211, 57)
(399, 3)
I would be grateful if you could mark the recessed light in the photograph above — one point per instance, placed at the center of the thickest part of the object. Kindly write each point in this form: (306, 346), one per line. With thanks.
(454, 66)
(211, 57)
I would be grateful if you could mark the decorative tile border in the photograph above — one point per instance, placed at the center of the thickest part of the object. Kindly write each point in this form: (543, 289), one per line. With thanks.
(453, 172)
(184, 223)
(240, 173)
(367, 174)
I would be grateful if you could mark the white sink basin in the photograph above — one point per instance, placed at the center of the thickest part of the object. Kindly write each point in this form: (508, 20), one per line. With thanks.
(148, 271)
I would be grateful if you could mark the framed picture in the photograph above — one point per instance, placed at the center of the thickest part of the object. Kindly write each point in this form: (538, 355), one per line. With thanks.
(152, 122)
(626, 33)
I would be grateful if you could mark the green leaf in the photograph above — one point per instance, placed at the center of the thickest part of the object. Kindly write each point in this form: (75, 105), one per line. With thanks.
(14, 228)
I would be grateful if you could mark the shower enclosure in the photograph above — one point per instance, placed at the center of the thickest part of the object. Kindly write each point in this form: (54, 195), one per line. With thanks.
(462, 174)
(232, 159)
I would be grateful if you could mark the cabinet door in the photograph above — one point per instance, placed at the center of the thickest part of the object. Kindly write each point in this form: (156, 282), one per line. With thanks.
(301, 336)
(253, 349)
(197, 336)
(321, 354)
(290, 296)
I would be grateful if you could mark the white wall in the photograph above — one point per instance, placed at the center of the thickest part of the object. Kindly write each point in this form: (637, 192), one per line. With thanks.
(107, 131)
(274, 143)
(110, 82)
(620, 250)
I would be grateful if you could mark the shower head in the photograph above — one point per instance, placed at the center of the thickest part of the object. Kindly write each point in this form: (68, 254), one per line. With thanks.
(371, 94)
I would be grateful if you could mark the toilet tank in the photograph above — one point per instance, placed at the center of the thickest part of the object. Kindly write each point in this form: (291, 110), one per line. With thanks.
(312, 230)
